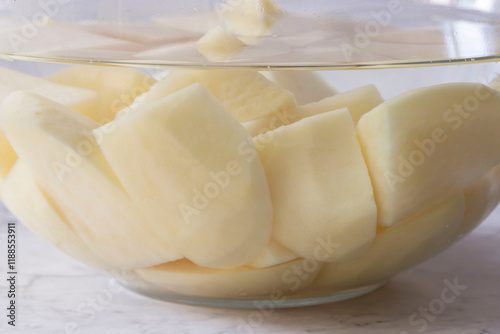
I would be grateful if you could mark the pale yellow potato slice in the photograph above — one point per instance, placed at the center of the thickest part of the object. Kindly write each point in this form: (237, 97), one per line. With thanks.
(180, 161)
(273, 254)
(399, 248)
(320, 187)
(116, 86)
(306, 86)
(185, 278)
(249, 18)
(56, 145)
(83, 100)
(481, 197)
(25, 200)
(359, 101)
(8, 157)
(247, 95)
(219, 44)
(425, 145)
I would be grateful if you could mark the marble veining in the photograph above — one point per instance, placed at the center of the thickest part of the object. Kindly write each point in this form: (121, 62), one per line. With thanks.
(56, 294)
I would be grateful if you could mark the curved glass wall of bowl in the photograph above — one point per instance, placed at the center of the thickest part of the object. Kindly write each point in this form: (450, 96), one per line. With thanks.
(282, 34)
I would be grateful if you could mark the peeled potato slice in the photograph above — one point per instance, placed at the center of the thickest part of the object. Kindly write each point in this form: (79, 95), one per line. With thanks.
(247, 95)
(271, 255)
(218, 44)
(56, 145)
(116, 86)
(359, 101)
(399, 248)
(306, 86)
(429, 143)
(82, 100)
(22, 196)
(85, 101)
(185, 278)
(249, 18)
(320, 188)
(481, 197)
(179, 160)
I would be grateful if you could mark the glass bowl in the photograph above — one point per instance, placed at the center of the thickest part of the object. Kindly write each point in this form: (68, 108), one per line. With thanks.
(246, 152)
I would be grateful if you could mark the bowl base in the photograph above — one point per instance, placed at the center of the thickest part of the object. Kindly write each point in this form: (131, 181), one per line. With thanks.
(288, 302)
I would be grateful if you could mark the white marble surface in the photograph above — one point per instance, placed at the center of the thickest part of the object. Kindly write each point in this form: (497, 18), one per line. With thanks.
(56, 293)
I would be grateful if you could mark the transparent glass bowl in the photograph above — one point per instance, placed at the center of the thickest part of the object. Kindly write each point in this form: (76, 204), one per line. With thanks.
(253, 151)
